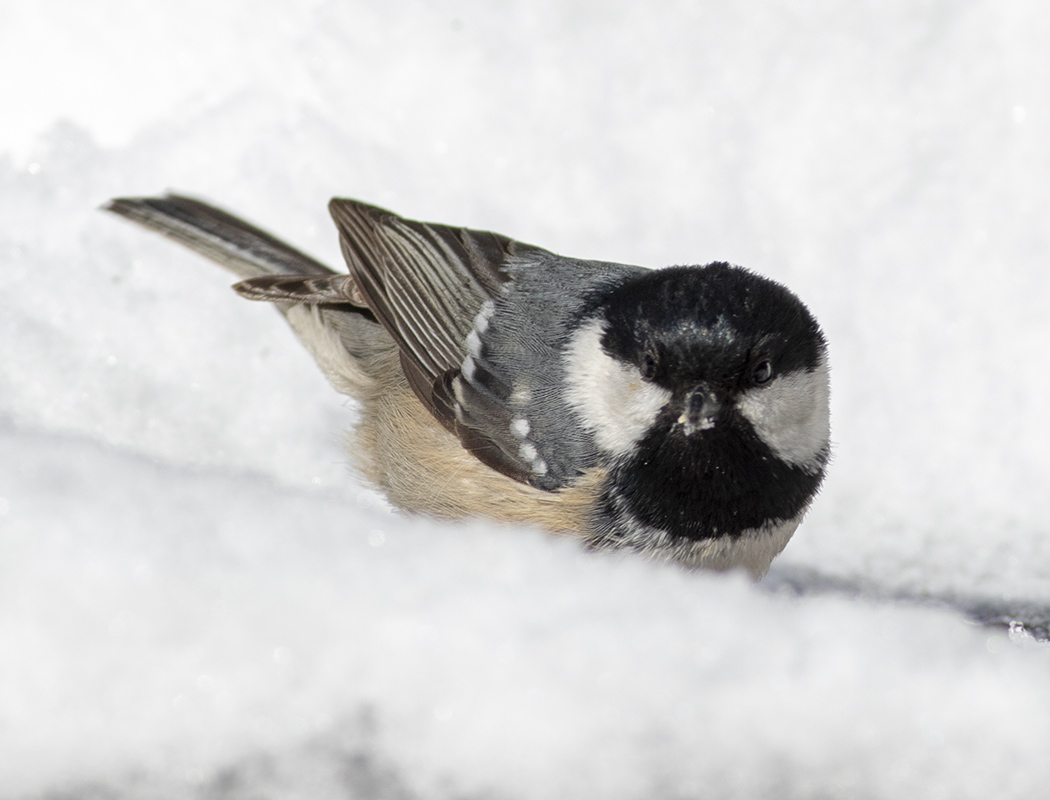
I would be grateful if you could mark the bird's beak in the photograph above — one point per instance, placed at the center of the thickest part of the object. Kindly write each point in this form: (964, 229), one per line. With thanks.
(700, 411)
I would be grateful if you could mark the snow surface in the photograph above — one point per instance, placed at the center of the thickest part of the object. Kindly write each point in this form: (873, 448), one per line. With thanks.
(198, 600)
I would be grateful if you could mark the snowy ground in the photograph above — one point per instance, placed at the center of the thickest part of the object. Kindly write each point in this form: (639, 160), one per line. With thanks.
(197, 600)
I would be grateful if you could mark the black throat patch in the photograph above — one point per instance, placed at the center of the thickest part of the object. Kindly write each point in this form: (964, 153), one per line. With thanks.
(719, 482)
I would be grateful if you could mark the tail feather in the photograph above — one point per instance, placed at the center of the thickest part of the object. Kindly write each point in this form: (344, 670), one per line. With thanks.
(240, 247)
(323, 307)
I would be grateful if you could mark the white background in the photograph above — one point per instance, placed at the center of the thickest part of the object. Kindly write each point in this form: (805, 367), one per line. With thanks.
(198, 599)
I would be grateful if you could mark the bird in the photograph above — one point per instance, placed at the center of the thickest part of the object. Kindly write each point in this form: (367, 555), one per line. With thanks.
(681, 413)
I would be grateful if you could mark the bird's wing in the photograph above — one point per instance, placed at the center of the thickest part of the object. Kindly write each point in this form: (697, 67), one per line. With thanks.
(427, 285)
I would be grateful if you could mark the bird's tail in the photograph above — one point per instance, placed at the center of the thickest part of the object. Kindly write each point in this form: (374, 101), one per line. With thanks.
(245, 250)
(322, 306)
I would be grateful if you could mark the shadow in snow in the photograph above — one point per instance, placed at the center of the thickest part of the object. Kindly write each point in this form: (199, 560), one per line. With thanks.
(800, 581)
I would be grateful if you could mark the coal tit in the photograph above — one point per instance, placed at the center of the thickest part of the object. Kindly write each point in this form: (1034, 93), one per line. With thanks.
(679, 412)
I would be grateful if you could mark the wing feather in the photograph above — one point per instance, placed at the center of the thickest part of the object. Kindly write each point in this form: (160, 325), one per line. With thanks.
(426, 285)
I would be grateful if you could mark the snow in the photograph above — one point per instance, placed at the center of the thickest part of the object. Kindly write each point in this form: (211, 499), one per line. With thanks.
(198, 599)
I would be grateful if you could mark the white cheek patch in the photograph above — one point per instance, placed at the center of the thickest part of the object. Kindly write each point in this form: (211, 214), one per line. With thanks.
(791, 416)
(610, 397)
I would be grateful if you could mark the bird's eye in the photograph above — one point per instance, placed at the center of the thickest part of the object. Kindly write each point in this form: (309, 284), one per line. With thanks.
(649, 363)
(763, 372)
